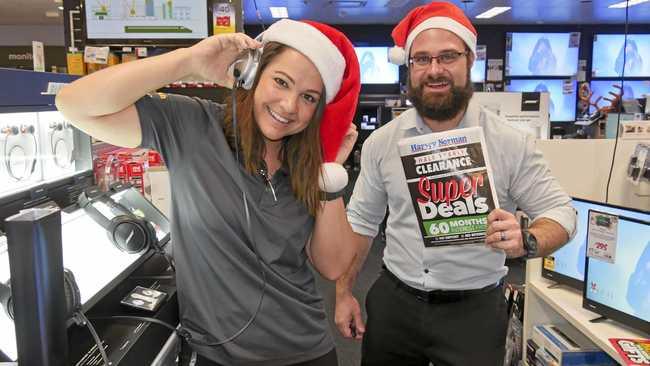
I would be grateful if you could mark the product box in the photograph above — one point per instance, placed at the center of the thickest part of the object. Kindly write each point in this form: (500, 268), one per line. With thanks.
(157, 188)
(568, 346)
(76, 65)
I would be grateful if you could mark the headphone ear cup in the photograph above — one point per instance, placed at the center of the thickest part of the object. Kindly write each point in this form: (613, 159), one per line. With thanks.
(6, 300)
(245, 69)
(128, 234)
(71, 293)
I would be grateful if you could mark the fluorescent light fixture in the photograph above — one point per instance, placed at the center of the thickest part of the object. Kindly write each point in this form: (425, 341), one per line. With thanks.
(625, 4)
(279, 12)
(494, 12)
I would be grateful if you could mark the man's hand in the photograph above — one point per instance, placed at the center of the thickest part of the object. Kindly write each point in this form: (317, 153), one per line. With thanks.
(504, 233)
(347, 316)
(347, 144)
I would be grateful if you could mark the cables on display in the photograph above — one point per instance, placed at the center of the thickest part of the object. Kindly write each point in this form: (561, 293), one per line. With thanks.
(59, 144)
(618, 120)
(9, 150)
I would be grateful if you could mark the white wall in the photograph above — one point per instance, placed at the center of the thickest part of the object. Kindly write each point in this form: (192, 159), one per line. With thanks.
(23, 35)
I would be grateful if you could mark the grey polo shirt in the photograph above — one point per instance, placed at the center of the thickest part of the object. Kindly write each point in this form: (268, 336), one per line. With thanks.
(218, 276)
(521, 177)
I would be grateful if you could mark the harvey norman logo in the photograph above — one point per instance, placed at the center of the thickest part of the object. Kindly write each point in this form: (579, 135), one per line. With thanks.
(453, 140)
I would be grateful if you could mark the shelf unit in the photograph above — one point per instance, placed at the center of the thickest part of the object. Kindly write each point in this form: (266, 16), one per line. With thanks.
(563, 305)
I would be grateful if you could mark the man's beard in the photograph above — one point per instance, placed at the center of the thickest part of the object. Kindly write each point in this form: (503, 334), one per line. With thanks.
(440, 107)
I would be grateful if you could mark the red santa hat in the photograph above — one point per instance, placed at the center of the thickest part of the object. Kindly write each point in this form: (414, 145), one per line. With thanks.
(334, 57)
(440, 15)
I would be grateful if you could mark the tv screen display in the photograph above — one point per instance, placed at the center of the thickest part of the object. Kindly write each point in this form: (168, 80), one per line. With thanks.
(478, 69)
(374, 65)
(146, 20)
(610, 51)
(562, 95)
(567, 264)
(542, 54)
(632, 89)
(620, 290)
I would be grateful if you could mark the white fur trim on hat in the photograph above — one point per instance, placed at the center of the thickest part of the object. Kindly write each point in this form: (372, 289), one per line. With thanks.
(333, 177)
(397, 55)
(312, 43)
(442, 23)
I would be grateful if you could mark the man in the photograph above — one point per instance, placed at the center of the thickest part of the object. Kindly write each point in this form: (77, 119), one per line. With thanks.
(444, 304)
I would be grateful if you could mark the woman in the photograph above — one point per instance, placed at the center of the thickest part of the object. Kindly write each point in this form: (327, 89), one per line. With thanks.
(247, 211)
(542, 60)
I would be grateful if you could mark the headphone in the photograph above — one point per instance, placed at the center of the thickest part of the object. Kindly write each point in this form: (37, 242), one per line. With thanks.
(243, 70)
(70, 290)
(9, 150)
(126, 231)
(58, 129)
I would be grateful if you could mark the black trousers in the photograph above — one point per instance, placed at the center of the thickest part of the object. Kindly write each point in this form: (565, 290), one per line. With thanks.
(407, 331)
(329, 359)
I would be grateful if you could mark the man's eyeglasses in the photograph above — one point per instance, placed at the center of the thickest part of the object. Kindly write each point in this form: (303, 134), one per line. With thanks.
(445, 58)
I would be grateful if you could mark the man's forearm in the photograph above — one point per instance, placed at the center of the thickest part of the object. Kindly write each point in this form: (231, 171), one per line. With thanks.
(550, 236)
(346, 282)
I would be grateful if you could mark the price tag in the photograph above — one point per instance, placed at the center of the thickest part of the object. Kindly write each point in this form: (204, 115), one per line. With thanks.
(602, 236)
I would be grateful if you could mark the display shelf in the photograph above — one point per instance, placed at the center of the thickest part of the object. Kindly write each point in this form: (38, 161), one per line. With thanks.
(563, 305)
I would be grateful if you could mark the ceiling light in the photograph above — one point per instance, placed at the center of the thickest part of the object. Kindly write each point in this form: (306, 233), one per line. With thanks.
(347, 3)
(52, 14)
(279, 12)
(494, 12)
(625, 4)
(60, 8)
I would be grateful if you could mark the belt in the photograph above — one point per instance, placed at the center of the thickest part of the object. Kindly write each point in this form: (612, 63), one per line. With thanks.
(439, 296)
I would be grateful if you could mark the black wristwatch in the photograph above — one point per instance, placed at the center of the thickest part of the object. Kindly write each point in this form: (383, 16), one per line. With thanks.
(530, 243)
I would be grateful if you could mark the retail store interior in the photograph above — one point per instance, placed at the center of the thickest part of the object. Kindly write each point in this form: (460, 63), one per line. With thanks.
(572, 76)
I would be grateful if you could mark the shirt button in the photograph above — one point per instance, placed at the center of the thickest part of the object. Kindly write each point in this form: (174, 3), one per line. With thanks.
(426, 270)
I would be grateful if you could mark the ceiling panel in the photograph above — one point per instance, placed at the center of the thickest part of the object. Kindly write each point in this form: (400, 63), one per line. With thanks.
(391, 11)
(29, 12)
(26, 12)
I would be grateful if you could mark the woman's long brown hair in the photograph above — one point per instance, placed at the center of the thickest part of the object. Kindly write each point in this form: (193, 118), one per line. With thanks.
(300, 152)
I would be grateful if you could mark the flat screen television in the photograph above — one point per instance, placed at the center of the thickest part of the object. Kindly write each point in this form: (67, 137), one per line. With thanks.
(632, 89)
(562, 98)
(620, 289)
(146, 21)
(542, 54)
(374, 66)
(566, 265)
(478, 69)
(608, 55)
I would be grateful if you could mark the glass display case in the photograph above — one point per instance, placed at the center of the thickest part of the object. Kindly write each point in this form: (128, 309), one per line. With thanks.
(37, 145)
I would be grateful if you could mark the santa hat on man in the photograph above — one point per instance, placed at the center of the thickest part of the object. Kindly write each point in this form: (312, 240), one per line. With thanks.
(334, 57)
(441, 15)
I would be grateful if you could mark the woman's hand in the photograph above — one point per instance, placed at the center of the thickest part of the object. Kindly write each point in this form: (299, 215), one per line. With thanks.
(210, 58)
(347, 144)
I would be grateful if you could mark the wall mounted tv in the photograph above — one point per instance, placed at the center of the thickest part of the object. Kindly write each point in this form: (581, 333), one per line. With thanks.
(146, 21)
(542, 54)
(619, 288)
(567, 265)
(562, 98)
(608, 55)
(632, 89)
(374, 65)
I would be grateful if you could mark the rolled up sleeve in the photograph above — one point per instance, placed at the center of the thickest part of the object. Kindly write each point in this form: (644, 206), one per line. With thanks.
(367, 206)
